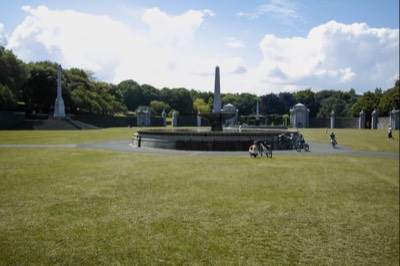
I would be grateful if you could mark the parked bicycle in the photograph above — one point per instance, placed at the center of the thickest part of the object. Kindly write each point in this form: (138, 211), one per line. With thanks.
(300, 146)
(265, 149)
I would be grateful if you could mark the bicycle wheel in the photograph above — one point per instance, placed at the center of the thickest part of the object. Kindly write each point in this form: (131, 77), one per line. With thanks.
(306, 147)
(298, 147)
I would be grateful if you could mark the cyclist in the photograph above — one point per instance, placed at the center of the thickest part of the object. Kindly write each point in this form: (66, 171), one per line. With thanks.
(333, 138)
(301, 139)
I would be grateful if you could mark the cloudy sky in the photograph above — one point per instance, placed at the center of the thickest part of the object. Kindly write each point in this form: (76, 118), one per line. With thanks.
(261, 46)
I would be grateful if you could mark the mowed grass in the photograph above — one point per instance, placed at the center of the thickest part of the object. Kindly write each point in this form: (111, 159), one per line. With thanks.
(64, 136)
(357, 139)
(90, 207)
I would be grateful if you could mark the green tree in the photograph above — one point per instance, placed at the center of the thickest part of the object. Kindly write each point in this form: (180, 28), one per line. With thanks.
(368, 103)
(230, 98)
(132, 94)
(159, 106)
(247, 103)
(271, 104)
(307, 97)
(41, 90)
(13, 76)
(390, 99)
(199, 105)
(179, 99)
(8, 100)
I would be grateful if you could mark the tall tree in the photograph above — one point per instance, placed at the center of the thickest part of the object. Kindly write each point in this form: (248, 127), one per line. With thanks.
(307, 97)
(13, 78)
(41, 89)
(390, 99)
(271, 104)
(132, 94)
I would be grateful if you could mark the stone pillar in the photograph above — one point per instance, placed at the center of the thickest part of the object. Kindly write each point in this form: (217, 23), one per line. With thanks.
(164, 117)
(174, 119)
(361, 120)
(374, 120)
(257, 115)
(59, 108)
(198, 119)
(394, 119)
(333, 119)
(217, 92)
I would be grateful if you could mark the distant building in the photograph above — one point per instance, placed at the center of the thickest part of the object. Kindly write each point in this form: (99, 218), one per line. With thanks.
(299, 116)
(143, 117)
(230, 108)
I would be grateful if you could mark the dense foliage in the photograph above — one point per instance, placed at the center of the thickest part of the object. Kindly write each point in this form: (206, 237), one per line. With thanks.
(33, 86)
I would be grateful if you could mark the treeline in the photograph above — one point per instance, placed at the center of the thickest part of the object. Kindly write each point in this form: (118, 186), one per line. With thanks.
(33, 86)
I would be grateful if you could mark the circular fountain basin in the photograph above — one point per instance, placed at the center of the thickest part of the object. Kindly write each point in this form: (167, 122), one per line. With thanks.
(205, 140)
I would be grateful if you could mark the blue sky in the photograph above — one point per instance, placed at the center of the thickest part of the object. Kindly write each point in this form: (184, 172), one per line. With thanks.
(261, 46)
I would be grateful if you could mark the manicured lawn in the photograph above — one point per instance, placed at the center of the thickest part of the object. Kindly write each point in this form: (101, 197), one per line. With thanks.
(363, 140)
(89, 207)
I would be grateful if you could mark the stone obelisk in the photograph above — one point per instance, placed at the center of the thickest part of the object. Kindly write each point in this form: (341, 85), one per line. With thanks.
(59, 108)
(257, 115)
(217, 92)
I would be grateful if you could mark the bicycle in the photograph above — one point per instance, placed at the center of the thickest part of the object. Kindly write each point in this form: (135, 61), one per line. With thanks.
(267, 150)
(334, 143)
(300, 146)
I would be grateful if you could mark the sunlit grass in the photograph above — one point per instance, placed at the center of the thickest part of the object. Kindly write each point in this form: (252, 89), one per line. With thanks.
(64, 136)
(89, 207)
(364, 140)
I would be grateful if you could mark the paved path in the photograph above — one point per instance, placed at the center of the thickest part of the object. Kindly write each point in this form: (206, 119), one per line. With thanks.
(316, 148)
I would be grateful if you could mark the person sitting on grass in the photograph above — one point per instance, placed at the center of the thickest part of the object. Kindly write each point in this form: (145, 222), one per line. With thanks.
(253, 149)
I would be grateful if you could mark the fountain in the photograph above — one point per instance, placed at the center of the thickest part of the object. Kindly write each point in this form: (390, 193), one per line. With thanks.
(215, 139)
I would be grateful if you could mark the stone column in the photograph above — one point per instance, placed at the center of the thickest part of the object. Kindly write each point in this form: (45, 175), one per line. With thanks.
(164, 117)
(174, 119)
(217, 92)
(374, 120)
(59, 108)
(198, 119)
(361, 120)
(333, 119)
(257, 115)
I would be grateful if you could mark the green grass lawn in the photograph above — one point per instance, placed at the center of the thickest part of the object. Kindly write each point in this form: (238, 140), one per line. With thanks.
(89, 207)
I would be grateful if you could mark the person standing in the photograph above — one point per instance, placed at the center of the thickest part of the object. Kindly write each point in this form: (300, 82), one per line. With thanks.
(390, 136)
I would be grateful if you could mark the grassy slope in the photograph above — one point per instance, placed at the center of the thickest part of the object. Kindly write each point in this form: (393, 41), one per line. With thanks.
(72, 206)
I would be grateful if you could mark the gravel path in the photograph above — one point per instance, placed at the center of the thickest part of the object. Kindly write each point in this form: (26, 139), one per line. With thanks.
(316, 148)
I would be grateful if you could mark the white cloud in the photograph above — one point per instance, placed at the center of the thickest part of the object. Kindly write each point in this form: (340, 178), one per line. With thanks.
(333, 55)
(235, 43)
(3, 36)
(168, 30)
(285, 11)
(166, 52)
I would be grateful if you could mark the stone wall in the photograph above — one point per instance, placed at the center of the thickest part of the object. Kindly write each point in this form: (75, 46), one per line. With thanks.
(340, 122)
(105, 121)
(10, 119)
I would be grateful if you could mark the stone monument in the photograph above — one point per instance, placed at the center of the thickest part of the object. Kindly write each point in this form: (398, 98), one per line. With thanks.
(217, 117)
(59, 108)
(217, 92)
(333, 119)
(299, 116)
